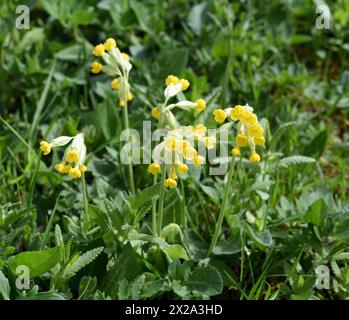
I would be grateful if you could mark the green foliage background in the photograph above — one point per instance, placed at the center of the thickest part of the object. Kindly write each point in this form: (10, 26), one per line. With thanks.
(287, 215)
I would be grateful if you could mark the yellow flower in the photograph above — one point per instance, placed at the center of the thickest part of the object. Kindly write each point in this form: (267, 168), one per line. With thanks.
(171, 79)
(121, 103)
(242, 140)
(182, 168)
(75, 173)
(255, 130)
(198, 160)
(60, 167)
(237, 112)
(115, 84)
(219, 115)
(249, 117)
(170, 143)
(255, 157)
(189, 152)
(173, 175)
(66, 169)
(170, 183)
(109, 44)
(82, 168)
(200, 104)
(259, 140)
(125, 56)
(72, 156)
(96, 67)
(98, 50)
(155, 113)
(129, 96)
(185, 84)
(154, 168)
(210, 142)
(235, 152)
(199, 130)
(45, 147)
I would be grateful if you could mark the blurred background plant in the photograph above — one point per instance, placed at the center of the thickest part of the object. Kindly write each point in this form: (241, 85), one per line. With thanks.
(286, 216)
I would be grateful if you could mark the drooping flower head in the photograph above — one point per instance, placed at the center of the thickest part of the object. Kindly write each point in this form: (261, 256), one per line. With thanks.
(249, 131)
(178, 149)
(174, 86)
(74, 155)
(117, 65)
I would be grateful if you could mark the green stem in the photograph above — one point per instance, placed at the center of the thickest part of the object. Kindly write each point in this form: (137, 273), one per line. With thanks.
(130, 167)
(48, 227)
(84, 194)
(223, 208)
(161, 197)
(154, 208)
(33, 180)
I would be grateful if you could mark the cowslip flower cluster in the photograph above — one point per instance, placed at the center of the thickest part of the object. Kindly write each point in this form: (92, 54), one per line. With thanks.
(74, 155)
(249, 130)
(178, 147)
(117, 65)
(174, 86)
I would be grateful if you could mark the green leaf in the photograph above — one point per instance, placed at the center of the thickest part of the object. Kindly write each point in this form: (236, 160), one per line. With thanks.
(176, 251)
(4, 287)
(294, 160)
(317, 213)
(38, 262)
(141, 198)
(317, 146)
(82, 17)
(173, 61)
(262, 238)
(206, 280)
(81, 262)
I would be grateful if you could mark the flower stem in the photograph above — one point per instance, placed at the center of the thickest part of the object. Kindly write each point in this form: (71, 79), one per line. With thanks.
(154, 208)
(33, 181)
(161, 197)
(84, 194)
(223, 208)
(130, 167)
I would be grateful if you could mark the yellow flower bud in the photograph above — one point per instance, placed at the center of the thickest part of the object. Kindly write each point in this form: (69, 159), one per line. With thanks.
(115, 84)
(255, 130)
(109, 44)
(45, 147)
(171, 79)
(121, 103)
(185, 84)
(154, 168)
(155, 113)
(235, 152)
(82, 168)
(75, 173)
(129, 96)
(242, 140)
(219, 115)
(170, 183)
(60, 167)
(125, 56)
(200, 105)
(182, 168)
(255, 157)
(237, 112)
(96, 67)
(72, 156)
(98, 50)
(66, 169)
(259, 140)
